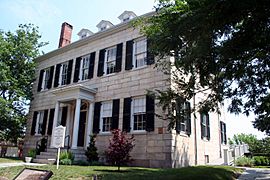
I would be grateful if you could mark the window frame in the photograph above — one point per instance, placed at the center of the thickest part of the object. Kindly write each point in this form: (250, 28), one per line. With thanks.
(61, 74)
(133, 114)
(45, 81)
(223, 133)
(106, 61)
(135, 53)
(106, 118)
(39, 122)
(204, 116)
(82, 68)
(183, 122)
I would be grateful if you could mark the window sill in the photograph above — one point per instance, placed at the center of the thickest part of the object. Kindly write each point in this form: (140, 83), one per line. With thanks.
(138, 68)
(183, 134)
(138, 132)
(205, 139)
(108, 75)
(38, 135)
(105, 133)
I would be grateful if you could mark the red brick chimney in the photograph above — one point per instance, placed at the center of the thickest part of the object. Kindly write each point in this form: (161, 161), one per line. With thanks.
(65, 36)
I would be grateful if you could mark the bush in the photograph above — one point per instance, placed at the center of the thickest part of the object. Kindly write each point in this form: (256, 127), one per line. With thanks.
(66, 161)
(261, 160)
(81, 163)
(244, 161)
(32, 153)
(91, 152)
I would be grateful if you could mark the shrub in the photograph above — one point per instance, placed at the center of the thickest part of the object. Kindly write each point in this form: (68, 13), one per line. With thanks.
(119, 148)
(66, 161)
(261, 160)
(81, 163)
(32, 153)
(91, 152)
(244, 161)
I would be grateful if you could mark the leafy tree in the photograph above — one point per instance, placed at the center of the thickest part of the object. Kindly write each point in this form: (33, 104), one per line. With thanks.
(222, 50)
(118, 152)
(249, 139)
(17, 68)
(91, 152)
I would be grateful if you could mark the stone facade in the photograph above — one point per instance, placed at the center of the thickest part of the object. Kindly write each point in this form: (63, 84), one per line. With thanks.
(156, 148)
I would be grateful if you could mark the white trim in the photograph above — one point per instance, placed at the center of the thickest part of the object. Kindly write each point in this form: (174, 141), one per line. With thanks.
(132, 114)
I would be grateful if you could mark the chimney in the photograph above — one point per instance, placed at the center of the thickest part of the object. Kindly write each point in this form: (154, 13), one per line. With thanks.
(65, 36)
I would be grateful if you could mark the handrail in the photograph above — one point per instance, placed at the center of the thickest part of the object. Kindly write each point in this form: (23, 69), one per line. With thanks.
(38, 144)
(68, 145)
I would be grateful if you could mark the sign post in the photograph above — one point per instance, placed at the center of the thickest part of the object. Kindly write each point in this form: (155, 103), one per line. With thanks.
(59, 140)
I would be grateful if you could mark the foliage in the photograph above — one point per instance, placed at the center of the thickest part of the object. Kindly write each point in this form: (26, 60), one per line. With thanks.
(118, 152)
(66, 158)
(91, 152)
(222, 50)
(261, 161)
(132, 173)
(244, 161)
(32, 153)
(249, 139)
(17, 68)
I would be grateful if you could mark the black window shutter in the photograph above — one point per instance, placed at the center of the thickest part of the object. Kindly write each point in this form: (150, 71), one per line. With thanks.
(208, 127)
(115, 113)
(126, 114)
(45, 117)
(118, 63)
(91, 65)
(34, 121)
(50, 124)
(202, 127)
(70, 63)
(101, 63)
(96, 118)
(150, 113)
(225, 135)
(56, 77)
(129, 55)
(188, 111)
(176, 106)
(150, 56)
(64, 116)
(51, 77)
(40, 80)
(77, 69)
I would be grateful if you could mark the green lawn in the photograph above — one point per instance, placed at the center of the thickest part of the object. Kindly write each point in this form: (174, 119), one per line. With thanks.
(10, 160)
(132, 173)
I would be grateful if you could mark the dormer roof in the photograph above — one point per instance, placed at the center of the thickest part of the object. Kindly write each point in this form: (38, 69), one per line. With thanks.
(126, 15)
(84, 33)
(102, 25)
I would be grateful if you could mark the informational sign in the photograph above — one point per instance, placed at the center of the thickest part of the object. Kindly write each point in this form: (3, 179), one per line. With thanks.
(59, 141)
(59, 137)
(28, 173)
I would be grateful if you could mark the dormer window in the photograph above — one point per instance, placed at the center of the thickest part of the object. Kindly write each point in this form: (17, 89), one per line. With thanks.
(84, 33)
(126, 16)
(103, 25)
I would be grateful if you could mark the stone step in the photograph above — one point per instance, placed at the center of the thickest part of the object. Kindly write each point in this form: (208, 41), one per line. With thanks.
(48, 153)
(44, 161)
(46, 156)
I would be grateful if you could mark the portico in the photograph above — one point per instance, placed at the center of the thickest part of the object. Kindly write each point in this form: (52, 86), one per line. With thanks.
(78, 101)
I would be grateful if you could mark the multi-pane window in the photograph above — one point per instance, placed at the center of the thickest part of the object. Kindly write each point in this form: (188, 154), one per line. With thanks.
(85, 67)
(46, 78)
(39, 122)
(205, 125)
(140, 53)
(106, 116)
(139, 114)
(64, 73)
(110, 60)
(223, 132)
(183, 116)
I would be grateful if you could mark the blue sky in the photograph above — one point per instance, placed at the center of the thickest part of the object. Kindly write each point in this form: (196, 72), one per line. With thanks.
(48, 15)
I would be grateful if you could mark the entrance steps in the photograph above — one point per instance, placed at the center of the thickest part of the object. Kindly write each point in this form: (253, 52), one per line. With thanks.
(50, 156)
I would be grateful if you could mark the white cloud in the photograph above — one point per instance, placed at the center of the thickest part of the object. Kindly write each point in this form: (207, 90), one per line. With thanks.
(38, 12)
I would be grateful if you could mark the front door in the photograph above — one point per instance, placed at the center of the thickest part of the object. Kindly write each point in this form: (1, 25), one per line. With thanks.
(81, 128)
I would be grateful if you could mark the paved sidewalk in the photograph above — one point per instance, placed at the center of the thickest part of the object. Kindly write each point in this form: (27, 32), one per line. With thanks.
(3, 165)
(255, 174)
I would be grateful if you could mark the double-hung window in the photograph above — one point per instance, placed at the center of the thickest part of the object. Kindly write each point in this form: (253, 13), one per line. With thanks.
(223, 132)
(183, 117)
(39, 122)
(110, 60)
(139, 114)
(85, 67)
(64, 73)
(46, 77)
(106, 116)
(205, 126)
(140, 53)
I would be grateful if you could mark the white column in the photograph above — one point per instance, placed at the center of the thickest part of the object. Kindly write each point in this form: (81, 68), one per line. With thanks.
(68, 123)
(89, 123)
(55, 119)
(76, 124)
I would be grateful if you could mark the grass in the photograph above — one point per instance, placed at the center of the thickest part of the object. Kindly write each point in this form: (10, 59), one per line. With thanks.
(132, 173)
(10, 160)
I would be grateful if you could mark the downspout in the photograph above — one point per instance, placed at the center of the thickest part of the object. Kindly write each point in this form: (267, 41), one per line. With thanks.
(195, 132)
